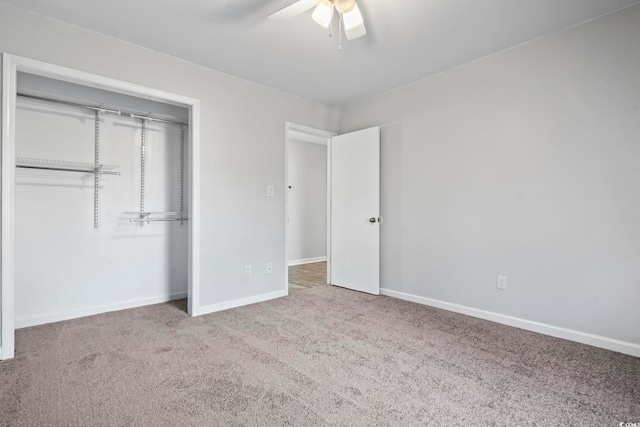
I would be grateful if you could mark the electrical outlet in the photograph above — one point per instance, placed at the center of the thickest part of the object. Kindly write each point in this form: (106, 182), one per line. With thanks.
(270, 190)
(247, 270)
(269, 268)
(502, 283)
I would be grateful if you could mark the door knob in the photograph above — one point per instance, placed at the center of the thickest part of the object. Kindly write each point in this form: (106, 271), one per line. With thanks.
(373, 219)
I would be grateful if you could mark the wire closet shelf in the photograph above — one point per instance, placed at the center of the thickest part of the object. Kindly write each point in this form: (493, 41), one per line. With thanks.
(68, 166)
(99, 169)
(148, 217)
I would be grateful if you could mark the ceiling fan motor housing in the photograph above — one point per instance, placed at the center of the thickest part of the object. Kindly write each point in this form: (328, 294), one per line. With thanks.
(344, 6)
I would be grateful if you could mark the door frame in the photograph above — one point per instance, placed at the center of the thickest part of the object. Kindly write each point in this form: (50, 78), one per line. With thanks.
(312, 135)
(11, 65)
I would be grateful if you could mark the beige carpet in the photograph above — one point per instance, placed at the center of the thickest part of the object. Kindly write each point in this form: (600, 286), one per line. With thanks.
(322, 356)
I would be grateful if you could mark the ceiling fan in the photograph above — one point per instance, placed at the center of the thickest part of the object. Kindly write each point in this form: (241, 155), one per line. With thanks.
(351, 20)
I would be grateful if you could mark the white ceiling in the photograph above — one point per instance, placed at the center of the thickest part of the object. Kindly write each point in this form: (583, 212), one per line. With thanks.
(407, 40)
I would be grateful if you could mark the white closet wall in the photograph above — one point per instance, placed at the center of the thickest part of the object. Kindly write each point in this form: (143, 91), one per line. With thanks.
(65, 267)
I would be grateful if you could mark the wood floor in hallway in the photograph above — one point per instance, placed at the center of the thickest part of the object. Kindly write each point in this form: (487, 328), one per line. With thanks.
(307, 276)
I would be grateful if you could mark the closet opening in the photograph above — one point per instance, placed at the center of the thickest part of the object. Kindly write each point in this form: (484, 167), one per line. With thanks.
(98, 208)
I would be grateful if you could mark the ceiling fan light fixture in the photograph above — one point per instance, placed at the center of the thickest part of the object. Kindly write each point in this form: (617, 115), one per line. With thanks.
(355, 32)
(353, 18)
(344, 6)
(323, 13)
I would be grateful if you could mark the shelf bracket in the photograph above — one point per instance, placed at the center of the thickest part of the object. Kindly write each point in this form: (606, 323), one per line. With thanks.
(143, 154)
(96, 177)
(181, 173)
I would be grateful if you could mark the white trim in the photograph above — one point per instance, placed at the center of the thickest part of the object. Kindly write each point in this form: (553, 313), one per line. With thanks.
(193, 256)
(329, 205)
(59, 316)
(11, 65)
(287, 125)
(542, 328)
(307, 260)
(305, 137)
(213, 308)
(294, 128)
(9, 87)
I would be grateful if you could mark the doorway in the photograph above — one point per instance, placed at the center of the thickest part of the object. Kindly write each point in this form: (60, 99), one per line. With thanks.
(352, 203)
(307, 206)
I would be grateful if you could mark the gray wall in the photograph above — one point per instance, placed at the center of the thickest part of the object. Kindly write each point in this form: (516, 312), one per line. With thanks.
(307, 232)
(525, 164)
(242, 147)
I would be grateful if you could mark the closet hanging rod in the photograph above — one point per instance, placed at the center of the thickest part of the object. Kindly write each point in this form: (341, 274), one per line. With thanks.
(73, 104)
(107, 110)
(54, 168)
(145, 213)
(66, 166)
(157, 219)
(154, 119)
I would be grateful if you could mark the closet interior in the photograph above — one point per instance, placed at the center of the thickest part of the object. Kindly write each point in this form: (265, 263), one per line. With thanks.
(101, 201)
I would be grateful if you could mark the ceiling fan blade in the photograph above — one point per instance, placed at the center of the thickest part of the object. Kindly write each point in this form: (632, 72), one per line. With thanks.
(292, 10)
(355, 32)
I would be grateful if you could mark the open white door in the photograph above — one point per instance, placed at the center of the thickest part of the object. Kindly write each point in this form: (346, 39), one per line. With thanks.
(355, 211)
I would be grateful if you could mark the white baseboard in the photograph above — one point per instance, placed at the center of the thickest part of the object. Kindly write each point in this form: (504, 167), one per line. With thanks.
(307, 260)
(207, 309)
(98, 309)
(554, 331)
